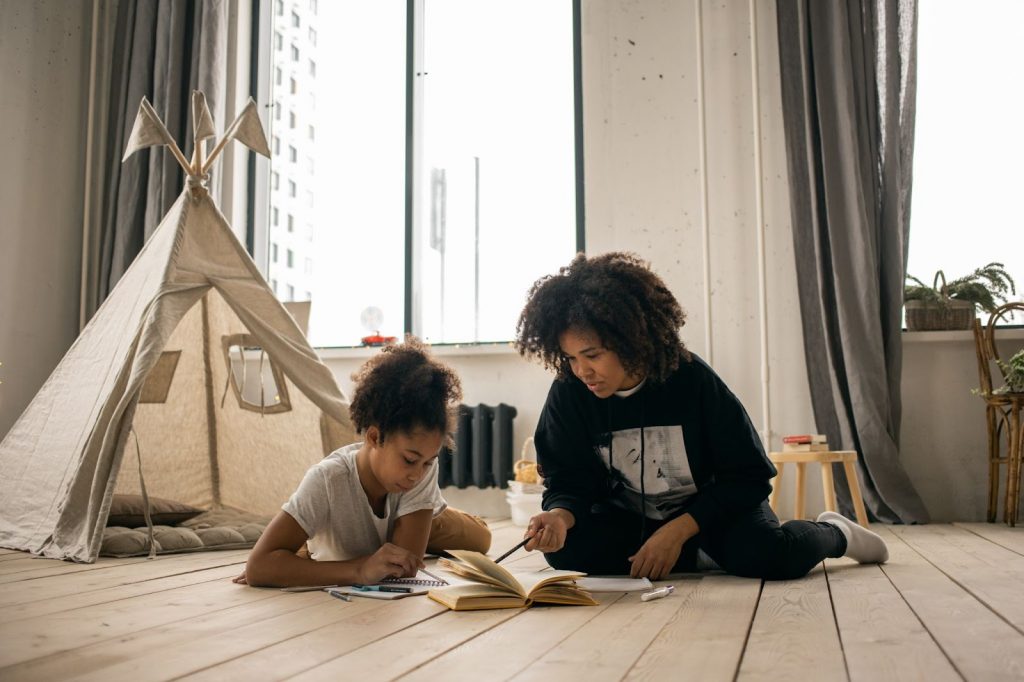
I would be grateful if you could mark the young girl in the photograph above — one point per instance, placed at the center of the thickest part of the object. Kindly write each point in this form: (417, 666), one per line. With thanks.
(651, 465)
(367, 510)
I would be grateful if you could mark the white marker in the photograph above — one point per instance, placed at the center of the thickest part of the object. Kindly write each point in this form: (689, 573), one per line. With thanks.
(657, 594)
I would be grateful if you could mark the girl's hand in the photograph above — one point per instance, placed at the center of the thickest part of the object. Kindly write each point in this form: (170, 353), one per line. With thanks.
(656, 557)
(390, 561)
(547, 530)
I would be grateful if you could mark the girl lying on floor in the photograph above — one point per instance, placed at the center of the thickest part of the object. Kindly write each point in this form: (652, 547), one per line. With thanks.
(369, 510)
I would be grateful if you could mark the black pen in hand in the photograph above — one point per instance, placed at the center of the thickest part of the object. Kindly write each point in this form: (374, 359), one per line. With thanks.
(509, 553)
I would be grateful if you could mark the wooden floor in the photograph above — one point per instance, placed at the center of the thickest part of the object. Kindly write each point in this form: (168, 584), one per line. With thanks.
(948, 605)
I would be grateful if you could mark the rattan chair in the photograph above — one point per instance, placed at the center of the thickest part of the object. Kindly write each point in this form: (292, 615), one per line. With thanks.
(1002, 416)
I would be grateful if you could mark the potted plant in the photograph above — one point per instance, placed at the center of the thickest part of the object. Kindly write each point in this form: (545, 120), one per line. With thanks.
(952, 305)
(1013, 374)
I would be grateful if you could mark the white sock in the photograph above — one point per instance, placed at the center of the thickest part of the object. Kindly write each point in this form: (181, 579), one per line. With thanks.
(862, 545)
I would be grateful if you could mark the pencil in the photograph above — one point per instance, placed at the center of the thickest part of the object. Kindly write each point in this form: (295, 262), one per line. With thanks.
(509, 553)
(440, 580)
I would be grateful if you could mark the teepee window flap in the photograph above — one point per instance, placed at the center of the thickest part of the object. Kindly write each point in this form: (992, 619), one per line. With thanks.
(256, 381)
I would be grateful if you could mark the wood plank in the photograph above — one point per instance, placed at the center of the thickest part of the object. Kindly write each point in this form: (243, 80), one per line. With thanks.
(608, 644)
(979, 643)
(999, 533)
(794, 631)
(72, 601)
(58, 567)
(291, 655)
(394, 656)
(988, 571)
(508, 648)
(32, 638)
(114, 575)
(158, 652)
(882, 637)
(707, 634)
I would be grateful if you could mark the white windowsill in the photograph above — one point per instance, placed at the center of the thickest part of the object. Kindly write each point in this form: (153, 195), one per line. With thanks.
(440, 350)
(964, 335)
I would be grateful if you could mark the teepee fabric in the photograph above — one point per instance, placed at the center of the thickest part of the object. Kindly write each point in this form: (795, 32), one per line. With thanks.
(145, 395)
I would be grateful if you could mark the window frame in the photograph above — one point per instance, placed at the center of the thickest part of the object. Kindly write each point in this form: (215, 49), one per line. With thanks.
(257, 233)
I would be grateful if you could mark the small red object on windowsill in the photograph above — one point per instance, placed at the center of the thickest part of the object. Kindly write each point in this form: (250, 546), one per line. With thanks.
(376, 339)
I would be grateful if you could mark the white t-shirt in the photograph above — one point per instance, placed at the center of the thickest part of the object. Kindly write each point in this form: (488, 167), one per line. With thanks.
(331, 506)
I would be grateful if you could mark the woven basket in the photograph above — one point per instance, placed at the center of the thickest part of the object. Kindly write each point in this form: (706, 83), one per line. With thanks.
(926, 317)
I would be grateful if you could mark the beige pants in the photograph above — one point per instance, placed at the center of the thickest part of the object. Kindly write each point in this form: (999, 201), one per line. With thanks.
(454, 529)
(451, 529)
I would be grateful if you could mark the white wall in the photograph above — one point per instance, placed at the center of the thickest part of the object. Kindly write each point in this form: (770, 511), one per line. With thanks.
(44, 60)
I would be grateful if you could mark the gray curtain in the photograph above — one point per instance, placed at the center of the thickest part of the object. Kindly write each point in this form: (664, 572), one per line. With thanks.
(848, 87)
(163, 50)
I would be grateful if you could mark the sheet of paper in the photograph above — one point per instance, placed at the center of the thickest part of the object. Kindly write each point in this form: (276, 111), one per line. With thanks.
(598, 584)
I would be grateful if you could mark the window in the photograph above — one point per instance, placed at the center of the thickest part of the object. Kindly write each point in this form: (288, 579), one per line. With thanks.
(482, 197)
(295, 20)
(275, 180)
(278, 42)
(277, 145)
(277, 76)
(967, 184)
(291, 292)
(293, 87)
(278, 7)
(290, 261)
(312, 6)
(274, 215)
(273, 252)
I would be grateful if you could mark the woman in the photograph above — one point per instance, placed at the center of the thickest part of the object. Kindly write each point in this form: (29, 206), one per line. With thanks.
(651, 465)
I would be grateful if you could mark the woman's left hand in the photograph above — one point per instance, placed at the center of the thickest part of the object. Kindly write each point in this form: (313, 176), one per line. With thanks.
(656, 557)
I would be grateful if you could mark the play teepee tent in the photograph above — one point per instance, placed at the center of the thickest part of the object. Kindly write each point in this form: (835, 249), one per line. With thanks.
(153, 395)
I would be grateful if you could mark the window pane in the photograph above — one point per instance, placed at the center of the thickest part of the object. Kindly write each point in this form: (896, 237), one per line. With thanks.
(496, 179)
(968, 146)
(346, 118)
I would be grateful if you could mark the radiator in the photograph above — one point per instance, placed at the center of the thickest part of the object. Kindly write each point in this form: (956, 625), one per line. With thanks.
(482, 456)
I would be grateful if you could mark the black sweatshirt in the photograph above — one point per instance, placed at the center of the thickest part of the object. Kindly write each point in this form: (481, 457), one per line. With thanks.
(689, 436)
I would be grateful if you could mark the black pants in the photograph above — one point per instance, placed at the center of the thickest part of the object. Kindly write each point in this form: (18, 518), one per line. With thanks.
(753, 545)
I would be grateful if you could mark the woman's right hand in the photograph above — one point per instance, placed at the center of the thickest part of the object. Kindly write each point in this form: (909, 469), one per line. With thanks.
(390, 561)
(547, 530)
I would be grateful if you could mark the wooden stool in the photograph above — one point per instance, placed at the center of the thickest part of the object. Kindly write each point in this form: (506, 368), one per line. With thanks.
(826, 458)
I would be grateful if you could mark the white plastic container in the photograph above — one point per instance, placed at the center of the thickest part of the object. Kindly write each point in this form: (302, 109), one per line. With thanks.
(523, 506)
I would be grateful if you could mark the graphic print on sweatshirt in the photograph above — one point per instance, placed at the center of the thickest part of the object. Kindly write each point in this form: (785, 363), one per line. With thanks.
(667, 478)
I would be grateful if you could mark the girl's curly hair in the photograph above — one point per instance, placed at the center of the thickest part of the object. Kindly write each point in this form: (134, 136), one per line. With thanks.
(614, 295)
(404, 388)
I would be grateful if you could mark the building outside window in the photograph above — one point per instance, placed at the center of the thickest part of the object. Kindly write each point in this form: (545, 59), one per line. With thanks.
(494, 186)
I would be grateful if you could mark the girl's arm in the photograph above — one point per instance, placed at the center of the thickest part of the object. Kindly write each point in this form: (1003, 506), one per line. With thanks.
(412, 531)
(273, 562)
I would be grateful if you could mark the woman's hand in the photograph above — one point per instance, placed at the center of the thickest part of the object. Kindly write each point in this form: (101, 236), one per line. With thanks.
(390, 561)
(656, 557)
(547, 530)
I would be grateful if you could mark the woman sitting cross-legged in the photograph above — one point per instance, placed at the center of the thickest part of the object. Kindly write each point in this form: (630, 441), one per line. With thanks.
(368, 511)
(650, 463)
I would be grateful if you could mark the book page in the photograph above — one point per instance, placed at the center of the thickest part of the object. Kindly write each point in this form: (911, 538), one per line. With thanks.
(476, 566)
(534, 580)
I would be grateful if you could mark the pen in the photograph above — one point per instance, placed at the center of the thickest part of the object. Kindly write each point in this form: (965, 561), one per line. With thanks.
(658, 594)
(509, 553)
(440, 580)
(381, 588)
(339, 595)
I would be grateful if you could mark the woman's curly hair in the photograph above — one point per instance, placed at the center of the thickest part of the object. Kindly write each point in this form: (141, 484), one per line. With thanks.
(614, 295)
(404, 388)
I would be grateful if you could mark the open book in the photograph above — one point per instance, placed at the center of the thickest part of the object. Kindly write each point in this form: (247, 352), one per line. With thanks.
(493, 587)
